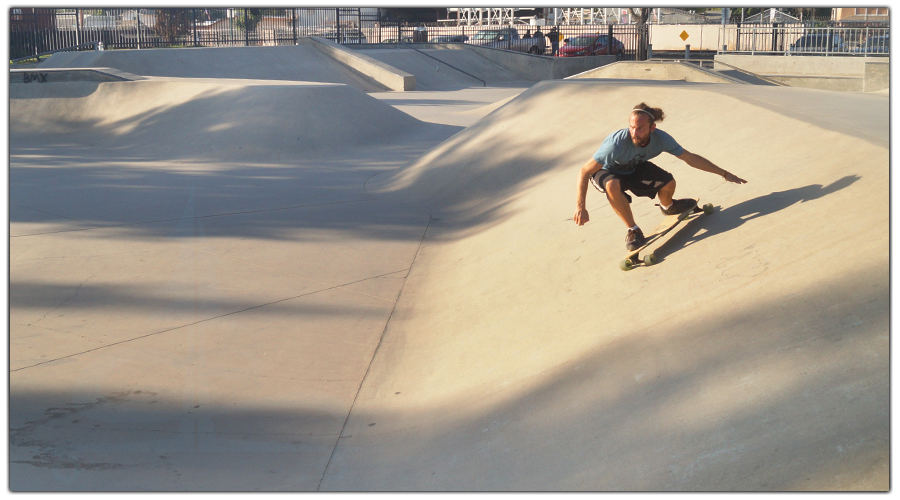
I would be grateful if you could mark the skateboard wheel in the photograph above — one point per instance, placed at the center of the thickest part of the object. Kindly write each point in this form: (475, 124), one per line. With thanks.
(626, 265)
(650, 259)
(708, 208)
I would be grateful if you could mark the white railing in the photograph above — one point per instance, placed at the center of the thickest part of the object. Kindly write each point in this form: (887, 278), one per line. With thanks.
(791, 41)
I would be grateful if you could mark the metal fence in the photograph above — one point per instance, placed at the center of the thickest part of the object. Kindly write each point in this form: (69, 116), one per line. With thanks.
(35, 31)
(632, 38)
(804, 40)
(39, 31)
(42, 30)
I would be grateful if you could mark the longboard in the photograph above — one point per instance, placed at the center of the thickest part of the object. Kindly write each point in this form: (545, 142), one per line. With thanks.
(632, 258)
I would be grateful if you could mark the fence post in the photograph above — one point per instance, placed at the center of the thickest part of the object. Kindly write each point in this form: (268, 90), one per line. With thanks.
(294, 23)
(137, 24)
(774, 37)
(644, 39)
(246, 27)
(337, 17)
(609, 35)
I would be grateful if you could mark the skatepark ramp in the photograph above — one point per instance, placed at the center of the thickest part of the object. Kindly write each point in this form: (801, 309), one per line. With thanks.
(662, 70)
(220, 283)
(226, 118)
(754, 356)
(299, 63)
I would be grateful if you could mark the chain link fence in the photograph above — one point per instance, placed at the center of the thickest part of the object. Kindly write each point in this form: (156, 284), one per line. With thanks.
(36, 31)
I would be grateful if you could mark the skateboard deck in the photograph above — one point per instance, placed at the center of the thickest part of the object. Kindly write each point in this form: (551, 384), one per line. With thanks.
(666, 227)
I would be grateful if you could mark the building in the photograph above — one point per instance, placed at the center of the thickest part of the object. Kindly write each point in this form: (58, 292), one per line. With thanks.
(31, 19)
(877, 14)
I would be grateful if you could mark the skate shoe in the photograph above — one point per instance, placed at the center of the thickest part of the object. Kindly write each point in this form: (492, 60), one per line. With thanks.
(634, 239)
(680, 206)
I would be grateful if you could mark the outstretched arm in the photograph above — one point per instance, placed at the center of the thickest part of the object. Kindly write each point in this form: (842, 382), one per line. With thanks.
(590, 168)
(705, 165)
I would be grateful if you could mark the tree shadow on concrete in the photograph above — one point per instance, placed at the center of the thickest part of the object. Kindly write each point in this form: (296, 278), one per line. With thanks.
(782, 396)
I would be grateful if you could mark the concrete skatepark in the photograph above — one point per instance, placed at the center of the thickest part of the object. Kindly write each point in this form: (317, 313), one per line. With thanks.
(227, 276)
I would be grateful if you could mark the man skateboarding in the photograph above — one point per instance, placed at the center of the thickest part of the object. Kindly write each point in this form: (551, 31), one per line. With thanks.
(621, 165)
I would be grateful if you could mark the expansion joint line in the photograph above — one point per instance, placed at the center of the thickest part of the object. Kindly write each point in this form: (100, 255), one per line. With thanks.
(374, 353)
(205, 320)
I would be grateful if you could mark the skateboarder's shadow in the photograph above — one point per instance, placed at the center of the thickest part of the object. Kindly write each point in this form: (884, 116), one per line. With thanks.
(733, 217)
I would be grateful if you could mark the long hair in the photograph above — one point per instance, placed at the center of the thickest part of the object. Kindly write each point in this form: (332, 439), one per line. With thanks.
(656, 114)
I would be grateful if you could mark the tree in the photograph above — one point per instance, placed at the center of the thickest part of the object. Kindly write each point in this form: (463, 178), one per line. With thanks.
(172, 23)
(253, 16)
(640, 16)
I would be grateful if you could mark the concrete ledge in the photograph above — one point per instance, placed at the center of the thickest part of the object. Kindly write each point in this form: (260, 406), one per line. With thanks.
(841, 83)
(57, 75)
(842, 73)
(384, 74)
(659, 70)
(800, 65)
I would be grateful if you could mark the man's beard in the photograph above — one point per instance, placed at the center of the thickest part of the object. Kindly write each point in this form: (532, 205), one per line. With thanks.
(640, 144)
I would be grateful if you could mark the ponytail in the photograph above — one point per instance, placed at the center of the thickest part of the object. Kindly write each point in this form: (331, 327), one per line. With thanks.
(655, 114)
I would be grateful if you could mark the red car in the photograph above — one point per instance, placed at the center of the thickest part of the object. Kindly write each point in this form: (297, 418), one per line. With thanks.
(592, 45)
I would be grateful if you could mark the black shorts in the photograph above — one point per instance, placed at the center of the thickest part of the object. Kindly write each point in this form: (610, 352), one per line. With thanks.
(646, 180)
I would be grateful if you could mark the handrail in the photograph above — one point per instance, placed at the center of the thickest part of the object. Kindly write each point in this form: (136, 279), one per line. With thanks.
(67, 49)
(767, 80)
(483, 83)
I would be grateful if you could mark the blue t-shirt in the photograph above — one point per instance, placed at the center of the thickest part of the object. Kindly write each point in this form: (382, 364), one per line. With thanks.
(619, 155)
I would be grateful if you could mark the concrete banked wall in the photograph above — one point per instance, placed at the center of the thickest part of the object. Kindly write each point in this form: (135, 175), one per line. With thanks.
(754, 356)
(289, 119)
(521, 358)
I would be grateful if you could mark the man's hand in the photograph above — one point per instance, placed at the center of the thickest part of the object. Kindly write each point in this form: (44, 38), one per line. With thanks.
(701, 163)
(733, 178)
(590, 168)
(581, 216)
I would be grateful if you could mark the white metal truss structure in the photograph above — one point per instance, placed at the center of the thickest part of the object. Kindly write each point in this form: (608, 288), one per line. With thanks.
(484, 17)
(572, 16)
(771, 16)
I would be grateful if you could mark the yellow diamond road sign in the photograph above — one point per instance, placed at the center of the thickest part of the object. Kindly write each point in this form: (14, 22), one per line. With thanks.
(684, 35)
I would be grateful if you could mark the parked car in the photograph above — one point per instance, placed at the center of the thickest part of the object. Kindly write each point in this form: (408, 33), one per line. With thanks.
(509, 39)
(450, 39)
(405, 39)
(592, 45)
(817, 43)
(875, 45)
